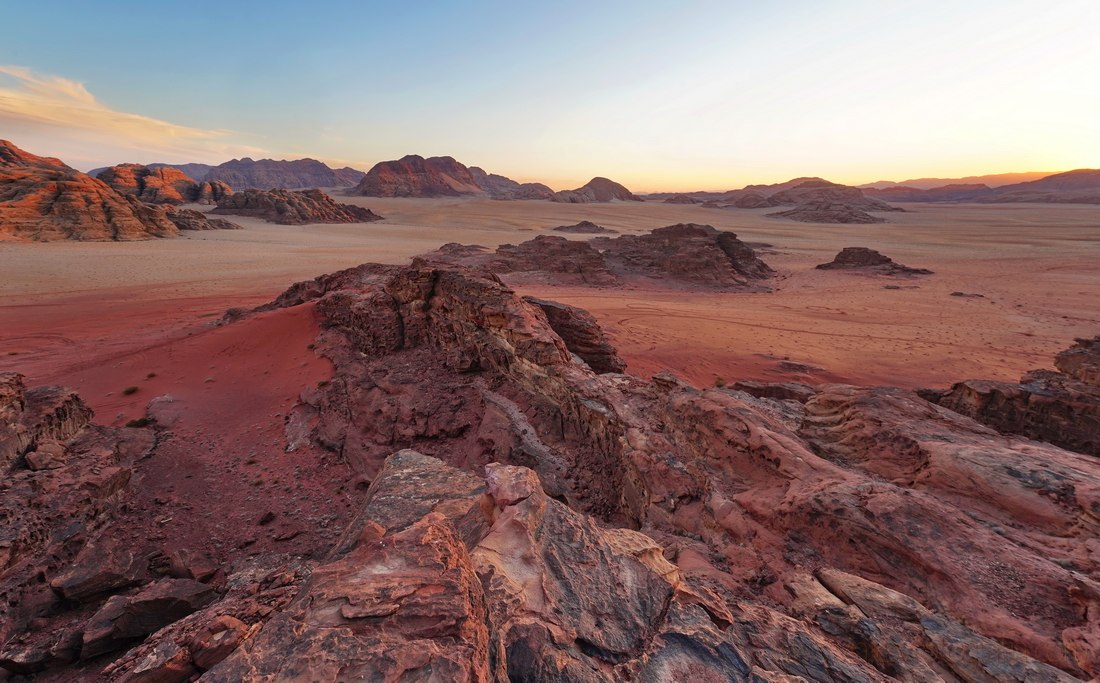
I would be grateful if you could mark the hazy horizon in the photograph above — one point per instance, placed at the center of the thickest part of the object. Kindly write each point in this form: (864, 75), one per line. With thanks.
(703, 96)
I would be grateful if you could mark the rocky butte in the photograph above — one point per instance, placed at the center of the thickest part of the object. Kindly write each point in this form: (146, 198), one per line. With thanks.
(415, 176)
(501, 503)
(42, 199)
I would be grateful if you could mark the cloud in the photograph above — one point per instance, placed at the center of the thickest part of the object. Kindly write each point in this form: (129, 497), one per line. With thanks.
(52, 115)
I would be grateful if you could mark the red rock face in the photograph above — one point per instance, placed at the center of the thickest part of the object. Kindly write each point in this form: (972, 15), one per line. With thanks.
(596, 190)
(42, 199)
(293, 208)
(1062, 408)
(555, 523)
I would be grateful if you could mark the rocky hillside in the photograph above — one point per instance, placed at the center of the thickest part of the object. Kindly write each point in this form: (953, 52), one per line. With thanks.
(508, 507)
(415, 176)
(1073, 187)
(162, 185)
(288, 207)
(42, 199)
(269, 174)
(596, 190)
(864, 260)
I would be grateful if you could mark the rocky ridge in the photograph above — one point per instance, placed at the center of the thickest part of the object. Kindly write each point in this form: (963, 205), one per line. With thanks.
(291, 207)
(556, 521)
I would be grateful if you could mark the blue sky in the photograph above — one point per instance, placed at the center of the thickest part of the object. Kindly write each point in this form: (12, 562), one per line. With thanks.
(656, 95)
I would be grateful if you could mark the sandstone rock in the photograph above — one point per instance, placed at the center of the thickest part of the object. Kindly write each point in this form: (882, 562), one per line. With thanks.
(868, 260)
(499, 187)
(585, 228)
(681, 199)
(582, 334)
(293, 208)
(1062, 408)
(123, 619)
(163, 185)
(596, 190)
(42, 199)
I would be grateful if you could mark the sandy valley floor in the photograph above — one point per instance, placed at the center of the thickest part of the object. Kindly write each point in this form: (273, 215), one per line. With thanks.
(68, 309)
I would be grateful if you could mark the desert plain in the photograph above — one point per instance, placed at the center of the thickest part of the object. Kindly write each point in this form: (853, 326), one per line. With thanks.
(93, 315)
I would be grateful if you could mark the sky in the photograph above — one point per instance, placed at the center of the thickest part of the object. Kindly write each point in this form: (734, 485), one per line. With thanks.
(687, 95)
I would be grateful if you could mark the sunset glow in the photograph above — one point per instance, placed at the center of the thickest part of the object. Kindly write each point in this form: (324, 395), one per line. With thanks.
(698, 95)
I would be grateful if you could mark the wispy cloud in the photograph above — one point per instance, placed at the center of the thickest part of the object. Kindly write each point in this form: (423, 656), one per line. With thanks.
(49, 114)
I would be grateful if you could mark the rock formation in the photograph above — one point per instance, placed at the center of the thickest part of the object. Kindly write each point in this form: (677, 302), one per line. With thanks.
(288, 207)
(1081, 186)
(415, 176)
(681, 199)
(557, 523)
(596, 190)
(189, 219)
(827, 212)
(42, 199)
(867, 260)
(585, 228)
(272, 174)
(162, 185)
(1062, 408)
(677, 256)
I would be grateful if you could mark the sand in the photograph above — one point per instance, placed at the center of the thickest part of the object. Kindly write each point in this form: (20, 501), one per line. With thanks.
(67, 308)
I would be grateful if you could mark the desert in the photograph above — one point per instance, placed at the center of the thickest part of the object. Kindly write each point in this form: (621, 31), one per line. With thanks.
(568, 343)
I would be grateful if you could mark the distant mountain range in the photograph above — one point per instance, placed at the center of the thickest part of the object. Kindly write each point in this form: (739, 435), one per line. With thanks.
(991, 180)
(416, 176)
(1072, 187)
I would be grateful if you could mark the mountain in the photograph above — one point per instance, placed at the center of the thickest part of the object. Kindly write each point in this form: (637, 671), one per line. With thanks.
(947, 193)
(596, 190)
(270, 174)
(415, 176)
(162, 185)
(43, 199)
(1072, 187)
(992, 180)
(288, 207)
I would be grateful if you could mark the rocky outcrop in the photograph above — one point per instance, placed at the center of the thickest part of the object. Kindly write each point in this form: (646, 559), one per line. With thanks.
(162, 185)
(962, 192)
(582, 334)
(596, 190)
(681, 199)
(273, 174)
(677, 256)
(42, 199)
(415, 176)
(827, 212)
(1062, 408)
(288, 207)
(585, 228)
(864, 260)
